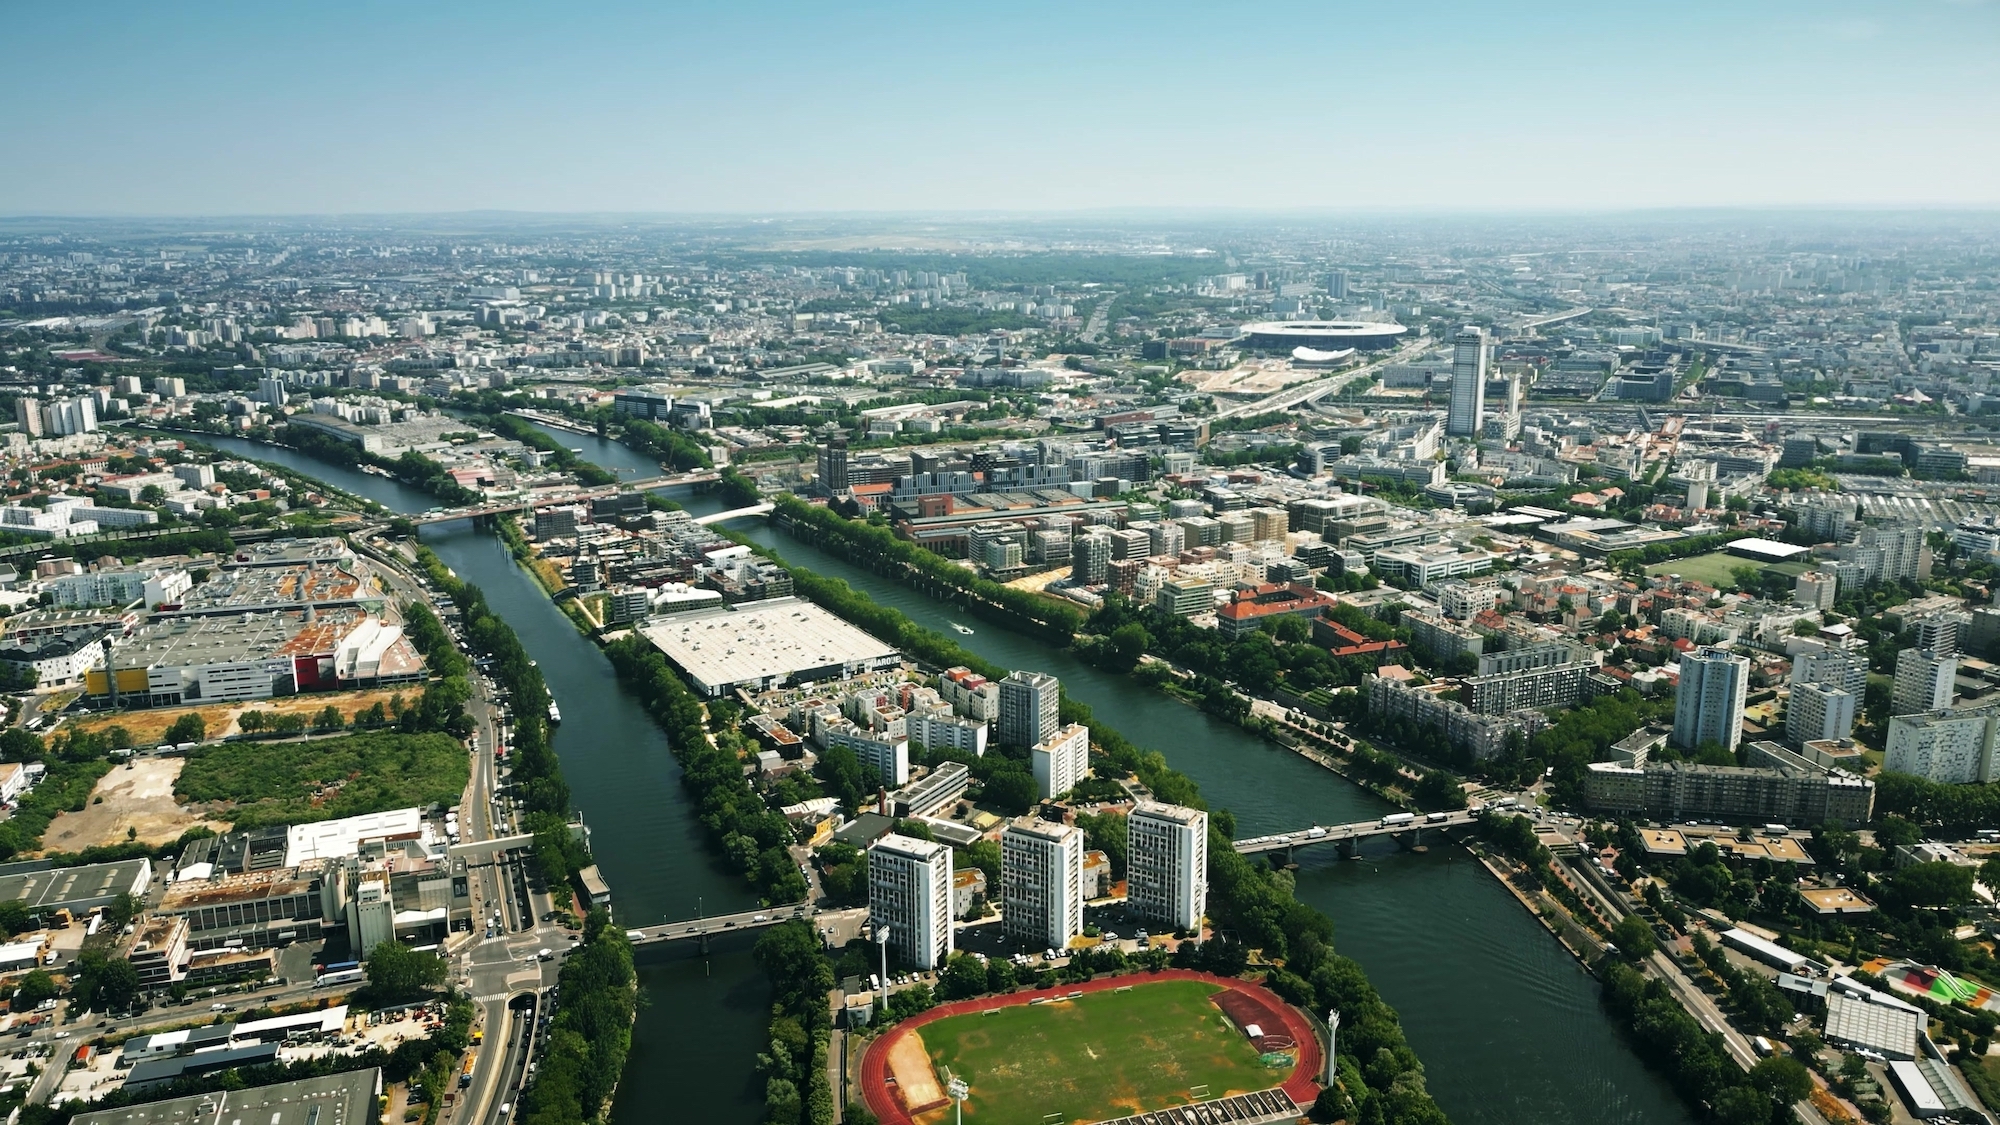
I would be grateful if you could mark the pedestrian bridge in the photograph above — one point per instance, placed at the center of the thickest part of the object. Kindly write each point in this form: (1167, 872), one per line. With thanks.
(1349, 836)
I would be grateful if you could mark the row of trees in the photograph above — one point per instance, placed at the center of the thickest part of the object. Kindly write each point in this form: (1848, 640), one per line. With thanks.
(591, 1034)
(878, 548)
(736, 818)
(537, 774)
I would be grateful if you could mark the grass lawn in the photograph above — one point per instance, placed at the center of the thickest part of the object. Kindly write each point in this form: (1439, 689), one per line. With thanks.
(1100, 1056)
(1712, 568)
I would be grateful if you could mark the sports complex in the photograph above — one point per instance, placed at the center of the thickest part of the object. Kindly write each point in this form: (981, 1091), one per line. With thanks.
(1125, 1049)
(1320, 335)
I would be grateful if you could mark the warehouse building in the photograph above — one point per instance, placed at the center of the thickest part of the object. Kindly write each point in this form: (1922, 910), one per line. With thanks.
(765, 645)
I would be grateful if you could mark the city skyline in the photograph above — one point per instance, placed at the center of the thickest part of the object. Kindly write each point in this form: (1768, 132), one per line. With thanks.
(785, 109)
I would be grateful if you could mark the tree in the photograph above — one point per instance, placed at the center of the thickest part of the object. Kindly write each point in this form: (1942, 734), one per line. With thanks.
(187, 728)
(36, 987)
(1633, 937)
(398, 973)
(1783, 1079)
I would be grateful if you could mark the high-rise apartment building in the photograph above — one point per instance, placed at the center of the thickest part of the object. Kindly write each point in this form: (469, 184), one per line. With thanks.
(909, 891)
(1166, 864)
(1030, 706)
(1923, 682)
(1946, 746)
(1468, 383)
(1819, 711)
(1708, 707)
(1041, 883)
(1060, 761)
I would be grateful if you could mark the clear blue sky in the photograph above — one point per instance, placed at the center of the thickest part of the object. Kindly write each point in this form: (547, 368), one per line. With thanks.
(288, 108)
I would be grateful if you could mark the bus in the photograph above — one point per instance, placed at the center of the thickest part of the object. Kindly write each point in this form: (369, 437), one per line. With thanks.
(345, 972)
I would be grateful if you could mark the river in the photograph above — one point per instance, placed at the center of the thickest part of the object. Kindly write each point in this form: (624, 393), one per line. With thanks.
(1507, 1024)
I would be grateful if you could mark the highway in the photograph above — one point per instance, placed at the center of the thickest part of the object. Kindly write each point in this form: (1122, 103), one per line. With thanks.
(1332, 384)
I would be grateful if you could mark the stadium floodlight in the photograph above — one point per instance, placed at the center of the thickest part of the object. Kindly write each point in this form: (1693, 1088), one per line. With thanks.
(958, 1091)
(882, 939)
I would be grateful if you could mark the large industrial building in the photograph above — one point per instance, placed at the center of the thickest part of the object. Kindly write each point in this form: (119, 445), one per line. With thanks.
(909, 894)
(1320, 335)
(1166, 864)
(761, 646)
(255, 655)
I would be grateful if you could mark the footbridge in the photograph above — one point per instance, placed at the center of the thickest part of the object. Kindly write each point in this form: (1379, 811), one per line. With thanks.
(1349, 836)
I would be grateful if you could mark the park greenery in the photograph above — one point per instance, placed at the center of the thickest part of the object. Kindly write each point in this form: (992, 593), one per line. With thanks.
(323, 779)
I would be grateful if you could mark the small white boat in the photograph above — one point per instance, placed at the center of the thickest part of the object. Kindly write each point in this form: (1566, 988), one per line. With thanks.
(966, 629)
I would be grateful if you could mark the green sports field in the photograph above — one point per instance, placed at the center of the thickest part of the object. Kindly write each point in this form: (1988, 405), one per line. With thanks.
(1712, 568)
(1100, 1056)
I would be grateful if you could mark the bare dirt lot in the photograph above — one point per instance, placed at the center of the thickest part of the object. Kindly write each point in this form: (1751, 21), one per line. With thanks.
(150, 727)
(138, 797)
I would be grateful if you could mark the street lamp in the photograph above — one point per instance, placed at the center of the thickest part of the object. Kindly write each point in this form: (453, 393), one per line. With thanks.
(958, 1091)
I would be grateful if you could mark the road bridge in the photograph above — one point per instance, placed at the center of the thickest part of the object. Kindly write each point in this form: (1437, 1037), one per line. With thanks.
(764, 509)
(701, 929)
(1349, 836)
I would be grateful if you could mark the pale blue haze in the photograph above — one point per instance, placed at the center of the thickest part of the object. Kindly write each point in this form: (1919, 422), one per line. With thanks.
(286, 108)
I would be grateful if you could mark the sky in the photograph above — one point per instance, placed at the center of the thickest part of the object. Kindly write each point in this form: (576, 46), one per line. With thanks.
(285, 108)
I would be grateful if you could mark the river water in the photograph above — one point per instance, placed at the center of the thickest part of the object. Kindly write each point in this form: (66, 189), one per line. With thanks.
(1507, 1024)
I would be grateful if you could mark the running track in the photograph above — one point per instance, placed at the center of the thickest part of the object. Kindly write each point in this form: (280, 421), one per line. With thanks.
(1301, 1086)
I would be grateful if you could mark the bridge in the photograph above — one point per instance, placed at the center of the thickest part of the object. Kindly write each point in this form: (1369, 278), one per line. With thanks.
(1349, 836)
(701, 929)
(581, 496)
(764, 509)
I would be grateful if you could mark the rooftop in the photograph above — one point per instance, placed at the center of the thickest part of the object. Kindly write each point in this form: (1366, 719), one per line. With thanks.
(777, 640)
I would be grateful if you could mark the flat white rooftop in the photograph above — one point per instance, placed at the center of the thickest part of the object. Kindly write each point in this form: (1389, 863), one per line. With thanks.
(764, 645)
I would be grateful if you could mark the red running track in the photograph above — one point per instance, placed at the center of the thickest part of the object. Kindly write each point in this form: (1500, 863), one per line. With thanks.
(1302, 1086)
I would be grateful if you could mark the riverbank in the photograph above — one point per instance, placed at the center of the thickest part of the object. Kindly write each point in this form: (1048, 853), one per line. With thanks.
(1251, 904)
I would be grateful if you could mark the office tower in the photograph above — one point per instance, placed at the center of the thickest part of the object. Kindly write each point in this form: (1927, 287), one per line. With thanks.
(1090, 555)
(1819, 711)
(1923, 682)
(1708, 707)
(28, 415)
(833, 465)
(1468, 383)
(1948, 747)
(909, 891)
(1166, 864)
(1060, 760)
(1041, 883)
(1030, 706)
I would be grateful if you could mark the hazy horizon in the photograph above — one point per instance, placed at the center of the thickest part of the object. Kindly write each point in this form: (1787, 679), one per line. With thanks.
(240, 110)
